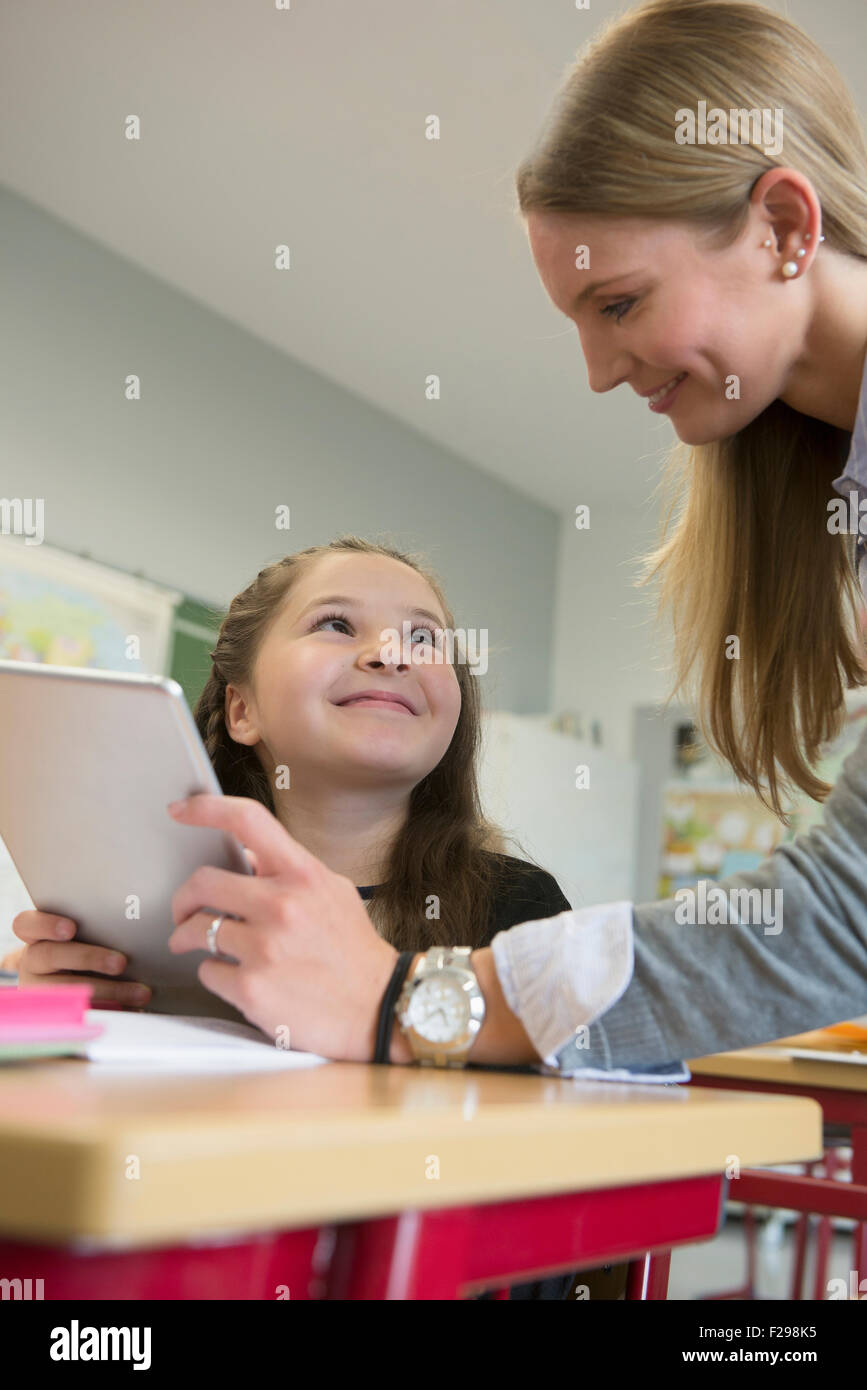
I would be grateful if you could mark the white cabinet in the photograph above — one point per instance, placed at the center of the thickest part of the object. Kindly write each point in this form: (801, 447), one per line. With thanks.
(585, 837)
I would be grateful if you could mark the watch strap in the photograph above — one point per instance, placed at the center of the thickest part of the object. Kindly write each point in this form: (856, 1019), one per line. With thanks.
(385, 1022)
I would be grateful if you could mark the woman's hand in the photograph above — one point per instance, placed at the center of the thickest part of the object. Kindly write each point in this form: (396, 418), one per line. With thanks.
(311, 968)
(49, 955)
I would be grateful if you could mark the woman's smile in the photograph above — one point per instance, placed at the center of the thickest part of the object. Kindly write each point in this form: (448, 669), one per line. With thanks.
(662, 402)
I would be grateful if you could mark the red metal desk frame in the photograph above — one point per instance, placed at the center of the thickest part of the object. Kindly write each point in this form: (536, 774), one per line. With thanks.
(825, 1197)
(442, 1254)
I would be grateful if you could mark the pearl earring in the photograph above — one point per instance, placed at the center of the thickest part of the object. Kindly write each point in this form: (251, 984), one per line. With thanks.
(790, 268)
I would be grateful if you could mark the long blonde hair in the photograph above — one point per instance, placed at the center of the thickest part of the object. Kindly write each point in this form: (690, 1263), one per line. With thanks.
(441, 875)
(749, 550)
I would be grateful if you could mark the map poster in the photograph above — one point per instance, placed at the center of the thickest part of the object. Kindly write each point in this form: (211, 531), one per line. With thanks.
(67, 611)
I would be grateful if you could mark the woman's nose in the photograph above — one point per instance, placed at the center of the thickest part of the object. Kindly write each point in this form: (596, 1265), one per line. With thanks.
(604, 375)
(606, 368)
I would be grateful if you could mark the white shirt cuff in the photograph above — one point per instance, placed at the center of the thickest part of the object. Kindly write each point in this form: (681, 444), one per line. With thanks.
(560, 973)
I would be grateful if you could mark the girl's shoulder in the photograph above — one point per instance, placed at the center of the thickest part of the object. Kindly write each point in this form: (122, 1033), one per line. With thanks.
(522, 892)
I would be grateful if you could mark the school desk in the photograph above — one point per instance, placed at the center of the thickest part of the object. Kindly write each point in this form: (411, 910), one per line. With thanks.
(841, 1090)
(357, 1181)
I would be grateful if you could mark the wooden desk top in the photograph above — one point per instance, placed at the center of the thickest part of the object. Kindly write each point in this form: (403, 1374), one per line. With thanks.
(260, 1151)
(771, 1063)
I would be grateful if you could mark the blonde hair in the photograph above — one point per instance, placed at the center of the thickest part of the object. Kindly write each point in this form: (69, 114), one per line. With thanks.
(749, 550)
(444, 848)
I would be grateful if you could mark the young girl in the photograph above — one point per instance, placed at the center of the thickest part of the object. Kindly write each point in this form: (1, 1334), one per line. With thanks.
(366, 755)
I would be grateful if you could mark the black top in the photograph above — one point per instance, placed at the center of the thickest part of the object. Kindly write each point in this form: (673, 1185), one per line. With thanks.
(522, 892)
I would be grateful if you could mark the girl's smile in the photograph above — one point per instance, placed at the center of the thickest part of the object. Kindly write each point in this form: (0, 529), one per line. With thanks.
(378, 700)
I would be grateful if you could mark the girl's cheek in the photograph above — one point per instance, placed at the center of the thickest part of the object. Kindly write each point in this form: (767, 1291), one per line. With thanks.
(445, 696)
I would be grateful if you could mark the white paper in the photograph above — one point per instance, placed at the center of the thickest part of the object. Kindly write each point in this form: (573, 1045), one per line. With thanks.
(168, 1043)
(809, 1054)
(674, 1074)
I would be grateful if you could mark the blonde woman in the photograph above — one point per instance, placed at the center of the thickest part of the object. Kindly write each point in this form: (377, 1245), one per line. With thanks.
(736, 279)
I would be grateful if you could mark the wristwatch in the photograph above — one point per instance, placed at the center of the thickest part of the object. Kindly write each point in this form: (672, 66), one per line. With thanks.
(441, 1007)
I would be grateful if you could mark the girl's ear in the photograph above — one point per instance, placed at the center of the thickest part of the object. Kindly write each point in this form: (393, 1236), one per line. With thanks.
(236, 714)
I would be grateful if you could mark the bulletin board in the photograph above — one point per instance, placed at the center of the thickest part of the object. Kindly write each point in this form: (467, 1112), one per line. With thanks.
(710, 831)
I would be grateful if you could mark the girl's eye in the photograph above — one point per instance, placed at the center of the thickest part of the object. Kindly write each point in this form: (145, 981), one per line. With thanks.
(624, 305)
(330, 618)
(429, 634)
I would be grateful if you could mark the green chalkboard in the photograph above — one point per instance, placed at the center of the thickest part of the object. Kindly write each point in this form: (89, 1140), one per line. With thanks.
(194, 633)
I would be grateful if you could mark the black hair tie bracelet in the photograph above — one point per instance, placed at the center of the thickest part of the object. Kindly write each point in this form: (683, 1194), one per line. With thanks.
(386, 1008)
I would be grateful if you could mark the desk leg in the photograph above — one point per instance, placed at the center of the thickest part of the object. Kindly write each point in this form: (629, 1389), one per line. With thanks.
(648, 1277)
(859, 1175)
(417, 1255)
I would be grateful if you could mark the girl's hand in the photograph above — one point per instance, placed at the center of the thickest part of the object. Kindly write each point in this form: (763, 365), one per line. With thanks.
(311, 968)
(49, 955)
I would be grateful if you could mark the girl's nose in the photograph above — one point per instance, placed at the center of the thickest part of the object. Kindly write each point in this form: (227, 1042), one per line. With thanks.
(382, 654)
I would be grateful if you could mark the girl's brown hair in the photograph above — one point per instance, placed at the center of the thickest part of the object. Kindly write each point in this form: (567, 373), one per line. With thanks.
(441, 872)
(750, 553)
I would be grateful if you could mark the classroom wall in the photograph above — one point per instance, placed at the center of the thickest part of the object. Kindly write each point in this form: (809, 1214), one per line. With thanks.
(182, 485)
(607, 657)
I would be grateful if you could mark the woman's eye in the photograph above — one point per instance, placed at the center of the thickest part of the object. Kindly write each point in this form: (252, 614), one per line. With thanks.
(426, 635)
(624, 305)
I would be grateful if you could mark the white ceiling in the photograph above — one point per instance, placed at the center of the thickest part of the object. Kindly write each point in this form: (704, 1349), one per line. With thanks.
(306, 127)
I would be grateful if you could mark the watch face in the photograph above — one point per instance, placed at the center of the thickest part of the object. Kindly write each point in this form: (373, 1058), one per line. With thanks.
(439, 1009)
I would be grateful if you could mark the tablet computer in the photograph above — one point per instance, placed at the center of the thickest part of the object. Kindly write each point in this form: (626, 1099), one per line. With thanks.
(89, 761)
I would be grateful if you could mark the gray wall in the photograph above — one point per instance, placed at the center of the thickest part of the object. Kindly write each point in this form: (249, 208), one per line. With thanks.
(181, 486)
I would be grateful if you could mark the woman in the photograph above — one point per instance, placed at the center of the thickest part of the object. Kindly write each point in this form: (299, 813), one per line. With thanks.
(745, 275)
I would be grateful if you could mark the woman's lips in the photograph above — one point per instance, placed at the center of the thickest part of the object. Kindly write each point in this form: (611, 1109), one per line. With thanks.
(662, 403)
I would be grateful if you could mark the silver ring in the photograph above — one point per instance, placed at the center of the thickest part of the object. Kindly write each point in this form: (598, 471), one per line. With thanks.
(212, 935)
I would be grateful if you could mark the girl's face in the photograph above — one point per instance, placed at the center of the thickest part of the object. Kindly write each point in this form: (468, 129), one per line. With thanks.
(672, 307)
(326, 647)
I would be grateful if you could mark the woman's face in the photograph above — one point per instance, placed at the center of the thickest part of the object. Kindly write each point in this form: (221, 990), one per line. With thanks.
(327, 645)
(671, 307)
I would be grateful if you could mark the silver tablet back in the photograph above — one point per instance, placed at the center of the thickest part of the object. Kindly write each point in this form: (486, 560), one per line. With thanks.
(89, 761)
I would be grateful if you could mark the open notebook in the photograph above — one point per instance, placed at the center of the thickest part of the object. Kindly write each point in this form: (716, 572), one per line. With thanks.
(161, 1041)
